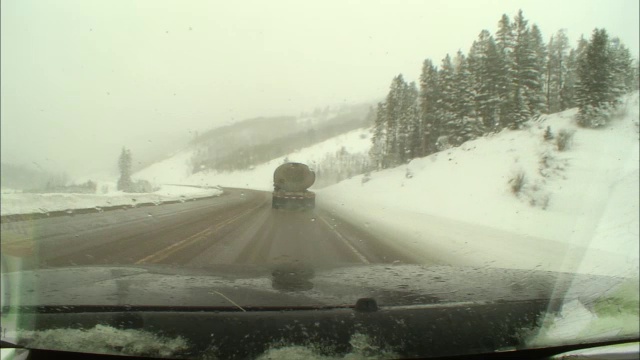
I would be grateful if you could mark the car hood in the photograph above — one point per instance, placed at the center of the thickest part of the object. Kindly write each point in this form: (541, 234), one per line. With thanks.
(292, 285)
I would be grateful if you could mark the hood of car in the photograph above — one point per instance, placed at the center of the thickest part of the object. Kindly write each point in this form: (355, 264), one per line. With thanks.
(292, 285)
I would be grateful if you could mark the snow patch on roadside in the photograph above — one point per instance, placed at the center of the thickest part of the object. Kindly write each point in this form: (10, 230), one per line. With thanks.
(25, 203)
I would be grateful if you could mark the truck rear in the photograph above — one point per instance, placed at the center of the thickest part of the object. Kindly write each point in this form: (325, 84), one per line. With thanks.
(291, 182)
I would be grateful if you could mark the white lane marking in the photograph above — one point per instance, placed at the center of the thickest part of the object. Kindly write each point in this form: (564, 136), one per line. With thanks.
(345, 241)
(165, 252)
(229, 300)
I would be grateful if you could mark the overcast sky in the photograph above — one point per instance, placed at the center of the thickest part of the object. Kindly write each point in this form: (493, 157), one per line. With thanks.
(81, 79)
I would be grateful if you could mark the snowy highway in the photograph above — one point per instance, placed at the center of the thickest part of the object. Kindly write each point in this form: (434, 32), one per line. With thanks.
(238, 227)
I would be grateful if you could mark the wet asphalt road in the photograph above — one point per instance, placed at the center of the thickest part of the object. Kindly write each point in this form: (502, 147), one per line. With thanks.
(238, 227)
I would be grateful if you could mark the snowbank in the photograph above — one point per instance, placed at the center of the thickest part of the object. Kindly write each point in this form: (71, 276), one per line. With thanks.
(26, 203)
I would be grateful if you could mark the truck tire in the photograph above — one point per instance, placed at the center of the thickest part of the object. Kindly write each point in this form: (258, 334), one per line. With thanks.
(311, 203)
(277, 202)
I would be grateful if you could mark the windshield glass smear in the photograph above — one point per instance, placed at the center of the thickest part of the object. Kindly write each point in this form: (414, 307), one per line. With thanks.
(319, 179)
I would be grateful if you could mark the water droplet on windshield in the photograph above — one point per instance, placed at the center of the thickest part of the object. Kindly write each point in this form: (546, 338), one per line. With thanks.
(313, 219)
(150, 215)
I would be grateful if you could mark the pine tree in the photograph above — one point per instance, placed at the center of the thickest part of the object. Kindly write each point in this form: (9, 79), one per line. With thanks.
(537, 67)
(621, 66)
(596, 88)
(416, 130)
(429, 98)
(450, 123)
(518, 110)
(570, 85)
(524, 96)
(394, 105)
(409, 124)
(124, 164)
(556, 71)
(463, 125)
(463, 89)
(378, 150)
(605, 73)
(393, 142)
(524, 77)
(595, 71)
(505, 39)
(484, 66)
(505, 70)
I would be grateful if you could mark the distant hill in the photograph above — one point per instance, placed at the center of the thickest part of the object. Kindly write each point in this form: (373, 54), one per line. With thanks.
(334, 142)
(251, 142)
(20, 177)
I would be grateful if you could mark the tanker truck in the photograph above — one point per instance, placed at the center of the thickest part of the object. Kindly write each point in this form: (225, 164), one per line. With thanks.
(290, 184)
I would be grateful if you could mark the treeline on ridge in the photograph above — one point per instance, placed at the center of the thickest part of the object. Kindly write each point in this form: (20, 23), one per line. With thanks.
(505, 80)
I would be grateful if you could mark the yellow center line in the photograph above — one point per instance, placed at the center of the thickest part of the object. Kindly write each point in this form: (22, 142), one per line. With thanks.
(168, 251)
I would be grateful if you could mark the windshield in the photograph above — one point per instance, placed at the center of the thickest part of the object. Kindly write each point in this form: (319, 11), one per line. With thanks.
(475, 161)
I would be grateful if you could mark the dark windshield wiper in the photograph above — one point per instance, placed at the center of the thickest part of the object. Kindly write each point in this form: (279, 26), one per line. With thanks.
(64, 309)
(362, 305)
(9, 345)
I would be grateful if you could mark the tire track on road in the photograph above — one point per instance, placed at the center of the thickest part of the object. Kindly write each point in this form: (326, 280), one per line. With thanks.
(127, 245)
(186, 245)
(260, 244)
(346, 242)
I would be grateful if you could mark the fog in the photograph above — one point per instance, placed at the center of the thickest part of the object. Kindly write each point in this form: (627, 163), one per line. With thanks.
(81, 79)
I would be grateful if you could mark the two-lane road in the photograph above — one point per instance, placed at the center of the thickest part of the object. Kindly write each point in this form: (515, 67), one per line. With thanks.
(238, 227)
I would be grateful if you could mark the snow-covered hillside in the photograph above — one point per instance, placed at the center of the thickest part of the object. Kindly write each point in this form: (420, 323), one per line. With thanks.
(177, 170)
(577, 210)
